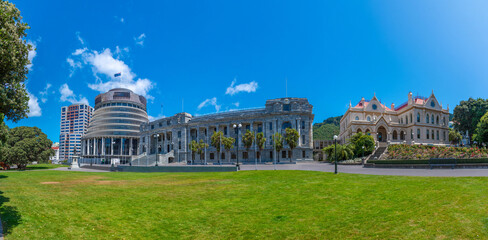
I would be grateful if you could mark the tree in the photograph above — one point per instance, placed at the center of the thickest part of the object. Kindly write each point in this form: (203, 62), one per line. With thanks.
(454, 136)
(14, 60)
(228, 143)
(193, 148)
(277, 144)
(467, 115)
(344, 152)
(248, 139)
(201, 146)
(26, 145)
(291, 138)
(359, 140)
(260, 142)
(482, 130)
(216, 141)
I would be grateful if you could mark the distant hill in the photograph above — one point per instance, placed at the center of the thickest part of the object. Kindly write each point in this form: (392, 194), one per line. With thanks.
(327, 129)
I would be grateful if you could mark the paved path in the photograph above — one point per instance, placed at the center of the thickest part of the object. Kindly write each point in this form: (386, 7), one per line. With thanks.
(326, 167)
(79, 170)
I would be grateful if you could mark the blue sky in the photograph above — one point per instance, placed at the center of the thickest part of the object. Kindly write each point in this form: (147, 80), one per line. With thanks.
(223, 55)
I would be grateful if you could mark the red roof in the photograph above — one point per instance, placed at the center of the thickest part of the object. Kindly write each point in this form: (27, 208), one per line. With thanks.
(55, 148)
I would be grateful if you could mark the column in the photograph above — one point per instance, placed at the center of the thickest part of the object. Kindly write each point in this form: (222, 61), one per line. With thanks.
(130, 146)
(111, 146)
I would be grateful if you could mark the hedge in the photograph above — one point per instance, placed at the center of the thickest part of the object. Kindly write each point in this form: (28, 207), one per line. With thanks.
(426, 161)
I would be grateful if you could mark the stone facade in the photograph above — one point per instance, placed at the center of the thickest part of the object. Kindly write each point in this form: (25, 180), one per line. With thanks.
(420, 120)
(171, 136)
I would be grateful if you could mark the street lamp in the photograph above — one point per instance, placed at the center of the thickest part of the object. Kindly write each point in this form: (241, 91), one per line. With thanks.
(335, 150)
(237, 155)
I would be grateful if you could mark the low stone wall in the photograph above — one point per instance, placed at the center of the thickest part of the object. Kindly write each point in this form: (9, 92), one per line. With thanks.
(176, 169)
(424, 166)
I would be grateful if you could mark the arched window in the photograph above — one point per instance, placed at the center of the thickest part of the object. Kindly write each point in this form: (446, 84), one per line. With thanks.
(402, 135)
(357, 118)
(411, 134)
(427, 118)
(401, 120)
(406, 120)
(418, 117)
(395, 135)
(427, 133)
(411, 118)
(437, 134)
(432, 119)
(369, 119)
(432, 134)
(418, 133)
(444, 136)
(444, 121)
(437, 120)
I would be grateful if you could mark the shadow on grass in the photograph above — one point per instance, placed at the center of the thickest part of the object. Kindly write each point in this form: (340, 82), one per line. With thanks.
(9, 214)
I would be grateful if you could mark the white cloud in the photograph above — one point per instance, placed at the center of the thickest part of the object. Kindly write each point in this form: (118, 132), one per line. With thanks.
(34, 108)
(45, 93)
(151, 118)
(210, 102)
(107, 64)
(244, 87)
(79, 38)
(79, 51)
(104, 63)
(121, 20)
(32, 54)
(68, 96)
(140, 40)
(236, 104)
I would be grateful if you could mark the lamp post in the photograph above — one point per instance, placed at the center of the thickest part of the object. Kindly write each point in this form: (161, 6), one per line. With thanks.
(335, 150)
(237, 155)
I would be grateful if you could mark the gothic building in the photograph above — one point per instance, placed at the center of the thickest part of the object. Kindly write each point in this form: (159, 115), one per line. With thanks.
(420, 120)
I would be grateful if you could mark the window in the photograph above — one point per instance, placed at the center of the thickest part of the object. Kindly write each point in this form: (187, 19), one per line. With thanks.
(168, 122)
(375, 107)
(303, 154)
(437, 120)
(160, 124)
(222, 156)
(432, 134)
(283, 154)
(357, 118)
(286, 107)
(427, 133)
(212, 156)
(437, 134)
(225, 130)
(432, 119)
(270, 126)
(444, 136)
(427, 118)
(406, 120)
(179, 134)
(152, 126)
(411, 134)
(418, 117)
(411, 118)
(368, 118)
(244, 155)
(432, 104)
(271, 154)
(418, 133)
(303, 124)
(286, 125)
(303, 139)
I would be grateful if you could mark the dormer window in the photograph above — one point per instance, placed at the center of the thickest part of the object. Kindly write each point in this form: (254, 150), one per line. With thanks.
(374, 107)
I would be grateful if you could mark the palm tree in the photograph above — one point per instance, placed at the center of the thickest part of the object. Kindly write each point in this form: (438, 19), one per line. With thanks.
(228, 143)
(216, 140)
(260, 142)
(291, 138)
(248, 139)
(278, 144)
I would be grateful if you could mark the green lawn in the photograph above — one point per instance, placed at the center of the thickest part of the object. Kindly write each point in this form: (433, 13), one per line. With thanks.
(240, 205)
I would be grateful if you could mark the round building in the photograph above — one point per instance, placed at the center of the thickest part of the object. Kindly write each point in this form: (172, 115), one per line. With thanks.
(113, 133)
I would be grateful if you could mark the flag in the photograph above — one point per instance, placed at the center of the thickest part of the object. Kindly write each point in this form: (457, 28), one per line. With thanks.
(118, 74)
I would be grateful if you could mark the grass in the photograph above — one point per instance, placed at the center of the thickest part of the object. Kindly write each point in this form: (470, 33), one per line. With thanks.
(242, 205)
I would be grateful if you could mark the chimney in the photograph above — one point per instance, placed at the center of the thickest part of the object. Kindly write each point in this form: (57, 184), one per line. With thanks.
(392, 106)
